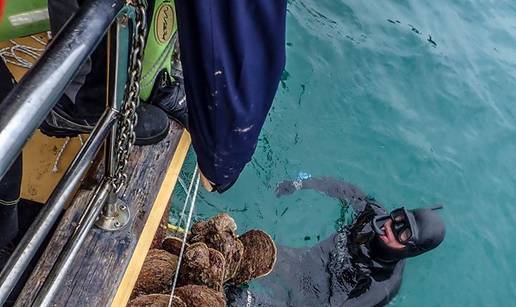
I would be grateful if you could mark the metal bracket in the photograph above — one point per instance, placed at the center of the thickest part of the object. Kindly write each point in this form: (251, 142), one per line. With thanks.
(115, 214)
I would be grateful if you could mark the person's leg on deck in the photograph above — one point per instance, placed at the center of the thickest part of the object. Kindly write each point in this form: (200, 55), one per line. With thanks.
(83, 102)
(9, 185)
(233, 55)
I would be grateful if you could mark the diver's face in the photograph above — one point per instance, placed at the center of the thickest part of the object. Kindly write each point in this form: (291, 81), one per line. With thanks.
(389, 238)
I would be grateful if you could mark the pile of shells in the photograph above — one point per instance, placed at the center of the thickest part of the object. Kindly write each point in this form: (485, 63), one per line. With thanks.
(214, 255)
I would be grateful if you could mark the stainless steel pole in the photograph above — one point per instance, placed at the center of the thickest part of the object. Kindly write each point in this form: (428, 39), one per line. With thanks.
(40, 228)
(65, 259)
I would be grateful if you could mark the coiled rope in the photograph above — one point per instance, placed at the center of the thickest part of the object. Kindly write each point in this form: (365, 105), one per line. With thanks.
(15, 53)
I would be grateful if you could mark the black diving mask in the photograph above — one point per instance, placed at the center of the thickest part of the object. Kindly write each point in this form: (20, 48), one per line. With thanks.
(403, 225)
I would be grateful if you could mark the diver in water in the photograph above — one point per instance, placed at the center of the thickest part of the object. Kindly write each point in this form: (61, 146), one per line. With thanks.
(361, 265)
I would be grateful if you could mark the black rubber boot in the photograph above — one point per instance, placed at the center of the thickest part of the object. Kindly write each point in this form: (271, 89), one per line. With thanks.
(170, 97)
(63, 120)
(153, 125)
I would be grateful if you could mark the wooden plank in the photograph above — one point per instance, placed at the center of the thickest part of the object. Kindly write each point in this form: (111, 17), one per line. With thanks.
(45, 160)
(158, 209)
(100, 266)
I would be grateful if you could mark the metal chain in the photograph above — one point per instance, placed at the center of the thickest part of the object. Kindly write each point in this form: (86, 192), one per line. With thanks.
(125, 131)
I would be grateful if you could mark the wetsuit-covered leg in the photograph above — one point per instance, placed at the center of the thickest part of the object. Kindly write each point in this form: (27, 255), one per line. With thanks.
(9, 198)
(11, 182)
(233, 54)
(77, 110)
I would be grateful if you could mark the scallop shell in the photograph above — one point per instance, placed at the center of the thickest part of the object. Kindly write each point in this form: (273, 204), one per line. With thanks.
(173, 245)
(156, 274)
(259, 256)
(219, 233)
(200, 296)
(155, 300)
(202, 265)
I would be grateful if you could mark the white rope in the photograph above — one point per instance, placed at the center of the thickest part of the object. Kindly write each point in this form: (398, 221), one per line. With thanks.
(55, 169)
(13, 54)
(181, 216)
(183, 244)
(182, 183)
(59, 155)
(39, 40)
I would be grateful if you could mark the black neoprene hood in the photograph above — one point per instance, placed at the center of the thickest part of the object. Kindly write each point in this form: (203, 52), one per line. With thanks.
(430, 233)
(431, 229)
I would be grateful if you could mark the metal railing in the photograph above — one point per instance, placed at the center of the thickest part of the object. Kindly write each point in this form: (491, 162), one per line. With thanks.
(25, 108)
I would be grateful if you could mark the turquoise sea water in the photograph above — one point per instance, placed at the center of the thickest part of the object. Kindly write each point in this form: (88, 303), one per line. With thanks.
(370, 98)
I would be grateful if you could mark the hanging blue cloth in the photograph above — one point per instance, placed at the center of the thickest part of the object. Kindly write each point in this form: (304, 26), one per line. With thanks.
(233, 54)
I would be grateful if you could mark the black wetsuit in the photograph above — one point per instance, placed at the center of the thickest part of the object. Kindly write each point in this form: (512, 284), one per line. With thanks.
(338, 271)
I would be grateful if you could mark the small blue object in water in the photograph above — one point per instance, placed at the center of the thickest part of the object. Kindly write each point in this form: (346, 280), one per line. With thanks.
(303, 176)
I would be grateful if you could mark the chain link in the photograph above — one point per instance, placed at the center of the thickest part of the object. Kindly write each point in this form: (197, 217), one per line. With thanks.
(125, 135)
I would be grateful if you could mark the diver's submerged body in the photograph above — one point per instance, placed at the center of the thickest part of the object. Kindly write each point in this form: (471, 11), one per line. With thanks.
(354, 267)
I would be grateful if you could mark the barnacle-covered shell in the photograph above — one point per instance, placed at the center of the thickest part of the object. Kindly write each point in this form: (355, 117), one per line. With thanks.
(156, 274)
(219, 233)
(202, 265)
(173, 245)
(259, 256)
(156, 300)
(200, 296)
(219, 223)
(160, 254)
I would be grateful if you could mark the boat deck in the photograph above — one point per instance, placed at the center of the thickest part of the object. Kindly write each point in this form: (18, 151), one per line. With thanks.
(106, 268)
(108, 264)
